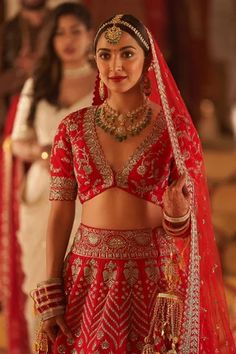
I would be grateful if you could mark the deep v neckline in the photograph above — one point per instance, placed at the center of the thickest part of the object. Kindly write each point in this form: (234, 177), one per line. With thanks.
(97, 152)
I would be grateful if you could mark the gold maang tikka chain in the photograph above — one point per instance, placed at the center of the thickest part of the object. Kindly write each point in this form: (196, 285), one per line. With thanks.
(123, 125)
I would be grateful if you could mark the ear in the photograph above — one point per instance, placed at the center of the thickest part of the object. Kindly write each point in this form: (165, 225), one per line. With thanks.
(146, 65)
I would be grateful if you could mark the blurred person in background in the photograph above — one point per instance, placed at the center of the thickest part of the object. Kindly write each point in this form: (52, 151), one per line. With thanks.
(62, 82)
(18, 51)
(18, 55)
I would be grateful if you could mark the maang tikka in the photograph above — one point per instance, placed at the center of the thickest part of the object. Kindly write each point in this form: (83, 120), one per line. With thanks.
(113, 34)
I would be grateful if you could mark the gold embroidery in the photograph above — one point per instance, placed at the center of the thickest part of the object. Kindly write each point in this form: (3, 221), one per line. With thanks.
(121, 177)
(113, 307)
(75, 268)
(152, 270)
(90, 271)
(62, 188)
(110, 273)
(92, 142)
(141, 150)
(114, 244)
(131, 272)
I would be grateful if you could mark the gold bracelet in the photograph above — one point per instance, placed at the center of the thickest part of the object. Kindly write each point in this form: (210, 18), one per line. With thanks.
(176, 220)
(176, 231)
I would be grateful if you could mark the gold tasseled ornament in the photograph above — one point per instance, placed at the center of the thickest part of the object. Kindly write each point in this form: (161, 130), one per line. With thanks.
(40, 345)
(148, 349)
(167, 314)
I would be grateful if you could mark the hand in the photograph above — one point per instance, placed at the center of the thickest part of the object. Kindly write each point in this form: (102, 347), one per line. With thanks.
(51, 327)
(176, 199)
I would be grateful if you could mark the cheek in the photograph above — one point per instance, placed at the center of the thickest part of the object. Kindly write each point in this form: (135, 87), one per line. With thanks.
(136, 69)
(102, 67)
(83, 45)
(57, 45)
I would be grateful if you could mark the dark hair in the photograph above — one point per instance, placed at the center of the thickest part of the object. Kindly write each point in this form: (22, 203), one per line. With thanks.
(134, 22)
(48, 73)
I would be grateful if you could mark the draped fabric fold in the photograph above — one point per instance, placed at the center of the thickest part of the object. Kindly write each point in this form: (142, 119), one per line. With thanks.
(11, 295)
(205, 326)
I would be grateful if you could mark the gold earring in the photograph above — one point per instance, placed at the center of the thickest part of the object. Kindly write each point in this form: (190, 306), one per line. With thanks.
(101, 90)
(146, 85)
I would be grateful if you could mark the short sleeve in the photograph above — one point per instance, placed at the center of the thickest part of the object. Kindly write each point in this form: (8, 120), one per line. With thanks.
(63, 184)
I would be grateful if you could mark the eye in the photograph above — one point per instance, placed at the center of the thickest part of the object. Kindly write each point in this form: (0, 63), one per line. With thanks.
(127, 54)
(76, 31)
(59, 33)
(104, 55)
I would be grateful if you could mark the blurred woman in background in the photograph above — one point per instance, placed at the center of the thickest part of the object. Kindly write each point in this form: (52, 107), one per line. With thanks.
(63, 82)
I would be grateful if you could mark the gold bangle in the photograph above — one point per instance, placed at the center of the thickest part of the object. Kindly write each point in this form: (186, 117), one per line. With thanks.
(44, 155)
(176, 229)
(176, 220)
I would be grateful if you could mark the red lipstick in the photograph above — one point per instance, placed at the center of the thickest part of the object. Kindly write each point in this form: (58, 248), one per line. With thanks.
(117, 78)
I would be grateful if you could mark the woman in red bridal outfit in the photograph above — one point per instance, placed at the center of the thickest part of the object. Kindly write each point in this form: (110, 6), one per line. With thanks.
(143, 274)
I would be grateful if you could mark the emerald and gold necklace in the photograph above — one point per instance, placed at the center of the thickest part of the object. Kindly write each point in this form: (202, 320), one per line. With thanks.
(123, 125)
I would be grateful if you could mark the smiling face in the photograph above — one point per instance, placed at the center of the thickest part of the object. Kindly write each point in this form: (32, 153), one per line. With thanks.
(71, 40)
(120, 65)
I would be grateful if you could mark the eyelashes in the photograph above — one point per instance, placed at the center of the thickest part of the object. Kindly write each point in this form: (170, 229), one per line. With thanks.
(125, 55)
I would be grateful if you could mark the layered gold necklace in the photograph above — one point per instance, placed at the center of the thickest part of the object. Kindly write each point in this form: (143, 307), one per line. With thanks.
(123, 125)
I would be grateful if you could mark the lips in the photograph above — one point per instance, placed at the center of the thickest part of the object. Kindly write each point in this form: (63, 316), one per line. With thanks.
(117, 78)
(69, 50)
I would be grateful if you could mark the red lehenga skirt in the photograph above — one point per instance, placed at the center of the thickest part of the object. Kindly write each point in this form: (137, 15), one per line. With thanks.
(111, 282)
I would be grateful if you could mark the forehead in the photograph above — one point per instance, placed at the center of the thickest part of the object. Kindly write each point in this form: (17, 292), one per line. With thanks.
(126, 40)
(69, 20)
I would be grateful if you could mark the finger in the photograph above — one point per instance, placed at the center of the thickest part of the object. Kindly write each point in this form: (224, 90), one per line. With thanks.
(181, 181)
(173, 183)
(51, 333)
(186, 192)
(64, 328)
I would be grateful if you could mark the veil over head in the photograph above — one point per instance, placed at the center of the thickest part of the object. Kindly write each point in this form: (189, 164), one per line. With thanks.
(205, 323)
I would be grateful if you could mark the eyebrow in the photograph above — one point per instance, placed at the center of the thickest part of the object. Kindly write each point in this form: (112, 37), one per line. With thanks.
(123, 48)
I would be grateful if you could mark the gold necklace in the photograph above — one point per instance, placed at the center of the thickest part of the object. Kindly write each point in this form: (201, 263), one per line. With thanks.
(122, 126)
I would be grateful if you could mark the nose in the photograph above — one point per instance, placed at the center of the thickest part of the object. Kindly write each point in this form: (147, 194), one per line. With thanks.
(116, 63)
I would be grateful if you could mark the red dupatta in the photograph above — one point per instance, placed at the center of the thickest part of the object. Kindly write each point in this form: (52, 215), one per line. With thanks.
(11, 294)
(205, 325)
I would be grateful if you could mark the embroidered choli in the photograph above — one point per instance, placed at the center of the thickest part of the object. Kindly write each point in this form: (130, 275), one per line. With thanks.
(79, 166)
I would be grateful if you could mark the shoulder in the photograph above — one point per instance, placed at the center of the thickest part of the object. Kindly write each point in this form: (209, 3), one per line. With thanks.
(73, 121)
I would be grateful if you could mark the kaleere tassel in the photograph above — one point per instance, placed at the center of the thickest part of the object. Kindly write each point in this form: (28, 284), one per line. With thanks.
(40, 345)
(167, 315)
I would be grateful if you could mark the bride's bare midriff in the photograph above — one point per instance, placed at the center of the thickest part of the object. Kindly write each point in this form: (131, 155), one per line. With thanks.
(117, 209)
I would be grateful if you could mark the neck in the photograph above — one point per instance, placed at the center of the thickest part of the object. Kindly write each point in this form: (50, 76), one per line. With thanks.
(76, 71)
(75, 65)
(35, 18)
(125, 102)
